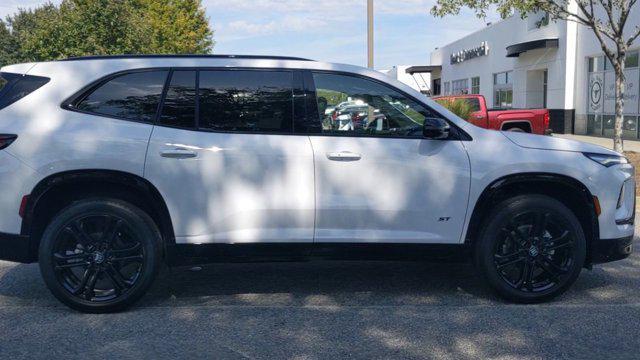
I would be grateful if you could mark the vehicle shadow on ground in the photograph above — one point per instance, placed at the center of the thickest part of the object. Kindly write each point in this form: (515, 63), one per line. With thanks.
(331, 283)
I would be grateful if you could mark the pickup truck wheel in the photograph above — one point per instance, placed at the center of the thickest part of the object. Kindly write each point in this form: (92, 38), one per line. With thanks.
(100, 255)
(516, 129)
(531, 248)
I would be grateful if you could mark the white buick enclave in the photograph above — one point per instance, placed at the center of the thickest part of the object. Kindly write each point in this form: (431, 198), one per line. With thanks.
(112, 166)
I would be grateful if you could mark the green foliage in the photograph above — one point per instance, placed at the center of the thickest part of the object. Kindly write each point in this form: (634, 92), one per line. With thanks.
(333, 97)
(504, 7)
(103, 27)
(460, 107)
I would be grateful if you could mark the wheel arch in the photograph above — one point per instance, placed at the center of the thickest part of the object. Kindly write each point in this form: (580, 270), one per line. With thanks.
(59, 190)
(525, 125)
(571, 192)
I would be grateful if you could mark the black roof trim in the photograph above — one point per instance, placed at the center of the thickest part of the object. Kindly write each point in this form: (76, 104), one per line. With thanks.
(422, 69)
(207, 56)
(517, 49)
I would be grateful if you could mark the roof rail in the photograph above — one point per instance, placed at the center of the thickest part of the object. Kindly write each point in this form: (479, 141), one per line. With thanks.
(152, 56)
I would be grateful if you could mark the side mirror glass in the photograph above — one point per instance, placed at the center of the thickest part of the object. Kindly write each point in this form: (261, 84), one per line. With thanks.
(435, 128)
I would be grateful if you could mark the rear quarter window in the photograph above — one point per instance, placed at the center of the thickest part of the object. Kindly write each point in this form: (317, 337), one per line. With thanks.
(14, 87)
(131, 96)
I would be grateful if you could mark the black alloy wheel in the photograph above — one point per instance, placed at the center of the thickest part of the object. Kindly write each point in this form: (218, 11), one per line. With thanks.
(532, 248)
(99, 255)
(534, 252)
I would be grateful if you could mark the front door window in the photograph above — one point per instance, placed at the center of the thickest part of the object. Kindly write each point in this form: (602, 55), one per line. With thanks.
(353, 106)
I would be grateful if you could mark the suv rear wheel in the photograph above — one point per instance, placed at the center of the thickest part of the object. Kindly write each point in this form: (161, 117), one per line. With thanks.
(100, 255)
(531, 248)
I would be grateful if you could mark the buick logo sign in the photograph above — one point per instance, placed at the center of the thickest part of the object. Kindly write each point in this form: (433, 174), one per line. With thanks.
(595, 94)
(468, 54)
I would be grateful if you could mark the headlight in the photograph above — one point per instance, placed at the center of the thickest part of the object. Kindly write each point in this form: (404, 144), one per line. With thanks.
(607, 160)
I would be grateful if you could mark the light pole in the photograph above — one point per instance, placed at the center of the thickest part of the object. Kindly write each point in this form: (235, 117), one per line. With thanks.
(371, 111)
(370, 34)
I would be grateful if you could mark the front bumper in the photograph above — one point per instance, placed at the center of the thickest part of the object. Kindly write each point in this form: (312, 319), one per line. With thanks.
(607, 250)
(15, 248)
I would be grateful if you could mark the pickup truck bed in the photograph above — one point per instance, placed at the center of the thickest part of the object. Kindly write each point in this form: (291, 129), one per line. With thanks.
(534, 121)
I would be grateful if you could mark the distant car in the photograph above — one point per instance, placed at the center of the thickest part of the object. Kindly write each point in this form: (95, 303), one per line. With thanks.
(535, 121)
(350, 115)
(112, 166)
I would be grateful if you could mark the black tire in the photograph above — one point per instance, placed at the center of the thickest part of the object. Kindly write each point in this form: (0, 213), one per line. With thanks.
(531, 248)
(517, 129)
(100, 255)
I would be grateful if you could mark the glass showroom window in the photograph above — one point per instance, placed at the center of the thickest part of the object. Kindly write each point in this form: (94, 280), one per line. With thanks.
(631, 61)
(446, 88)
(460, 86)
(475, 85)
(503, 89)
(630, 127)
(596, 63)
(594, 124)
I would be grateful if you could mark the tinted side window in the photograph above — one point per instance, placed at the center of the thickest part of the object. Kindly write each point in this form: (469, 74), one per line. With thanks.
(179, 106)
(133, 96)
(14, 87)
(349, 105)
(239, 100)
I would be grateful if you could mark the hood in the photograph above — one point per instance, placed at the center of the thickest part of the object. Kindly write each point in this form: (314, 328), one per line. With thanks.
(554, 143)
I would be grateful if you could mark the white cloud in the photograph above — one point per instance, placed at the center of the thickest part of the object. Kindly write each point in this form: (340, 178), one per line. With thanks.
(10, 7)
(285, 24)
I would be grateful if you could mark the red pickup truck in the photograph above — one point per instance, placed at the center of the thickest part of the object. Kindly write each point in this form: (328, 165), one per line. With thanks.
(534, 121)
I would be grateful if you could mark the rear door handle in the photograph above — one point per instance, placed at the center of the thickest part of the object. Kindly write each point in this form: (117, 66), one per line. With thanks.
(178, 154)
(344, 156)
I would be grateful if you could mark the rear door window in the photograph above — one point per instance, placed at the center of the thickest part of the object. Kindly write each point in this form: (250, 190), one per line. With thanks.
(132, 96)
(246, 100)
(14, 87)
(179, 106)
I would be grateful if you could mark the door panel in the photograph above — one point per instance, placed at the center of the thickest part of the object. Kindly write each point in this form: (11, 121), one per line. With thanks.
(243, 182)
(399, 190)
(234, 188)
(378, 179)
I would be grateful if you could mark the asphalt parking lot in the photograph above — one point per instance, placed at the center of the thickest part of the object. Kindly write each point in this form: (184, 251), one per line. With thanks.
(327, 310)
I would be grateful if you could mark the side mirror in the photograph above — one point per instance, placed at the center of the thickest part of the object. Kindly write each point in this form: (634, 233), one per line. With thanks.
(435, 128)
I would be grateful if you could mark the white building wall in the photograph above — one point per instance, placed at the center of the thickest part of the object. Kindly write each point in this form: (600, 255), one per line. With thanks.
(420, 82)
(499, 35)
(588, 46)
(568, 78)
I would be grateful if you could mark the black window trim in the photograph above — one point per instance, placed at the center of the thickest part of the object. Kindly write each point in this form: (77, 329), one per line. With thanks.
(457, 133)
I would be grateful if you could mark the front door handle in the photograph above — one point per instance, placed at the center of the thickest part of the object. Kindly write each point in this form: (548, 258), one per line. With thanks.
(178, 154)
(344, 156)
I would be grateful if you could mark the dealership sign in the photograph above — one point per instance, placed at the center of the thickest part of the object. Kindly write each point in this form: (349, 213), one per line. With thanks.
(468, 54)
(596, 90)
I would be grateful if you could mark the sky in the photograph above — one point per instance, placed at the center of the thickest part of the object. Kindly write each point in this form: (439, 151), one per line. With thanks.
(326, 30)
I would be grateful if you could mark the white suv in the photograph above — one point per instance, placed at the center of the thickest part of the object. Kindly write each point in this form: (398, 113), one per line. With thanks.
(112, 166)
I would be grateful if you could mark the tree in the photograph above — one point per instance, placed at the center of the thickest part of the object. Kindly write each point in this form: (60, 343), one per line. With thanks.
(103, 27)
(606, 18)
(177, 26)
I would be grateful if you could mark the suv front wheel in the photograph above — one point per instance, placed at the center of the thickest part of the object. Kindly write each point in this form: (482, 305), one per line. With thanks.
(531, 248)
(100, 255)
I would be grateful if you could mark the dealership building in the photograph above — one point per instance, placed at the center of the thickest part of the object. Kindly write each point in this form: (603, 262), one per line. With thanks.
(535, 63)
